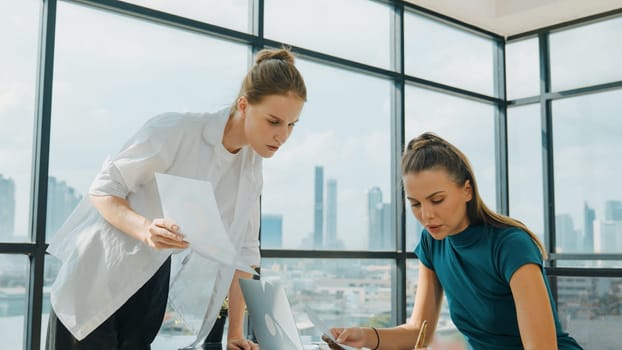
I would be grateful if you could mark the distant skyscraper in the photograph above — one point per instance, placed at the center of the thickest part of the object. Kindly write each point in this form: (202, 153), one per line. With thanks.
(7, 209)
(613, 210)
(386, 233)
(271, 231)
(62, 199)
(331, 213)
(589, 215)
(374, 218)
(566, 235)
(318, 210)
(607, 236)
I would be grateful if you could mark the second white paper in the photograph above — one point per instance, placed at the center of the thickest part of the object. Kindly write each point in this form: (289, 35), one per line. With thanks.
(191, 204)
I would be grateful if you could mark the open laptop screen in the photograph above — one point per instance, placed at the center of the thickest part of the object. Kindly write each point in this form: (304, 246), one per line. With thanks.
(271, 315)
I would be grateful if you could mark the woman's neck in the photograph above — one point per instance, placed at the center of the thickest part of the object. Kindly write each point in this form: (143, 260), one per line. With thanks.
(233, 138)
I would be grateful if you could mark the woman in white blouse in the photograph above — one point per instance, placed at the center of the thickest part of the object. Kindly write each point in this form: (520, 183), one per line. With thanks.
(112, 289)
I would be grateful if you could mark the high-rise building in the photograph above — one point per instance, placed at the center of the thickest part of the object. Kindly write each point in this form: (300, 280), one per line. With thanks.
(613, 210)
(589, 215)
(7, 209)
(62, 199)
(374, 218)
(331, 214)
(318, 209)
(566, 236)
(271, 231)
(607, 236)
(386, 233)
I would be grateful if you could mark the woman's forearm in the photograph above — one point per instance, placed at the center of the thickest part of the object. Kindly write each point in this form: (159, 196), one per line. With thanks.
(118, 213)
(237, 307)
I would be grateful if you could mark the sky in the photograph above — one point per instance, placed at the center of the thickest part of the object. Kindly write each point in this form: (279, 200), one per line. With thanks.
(112, 73)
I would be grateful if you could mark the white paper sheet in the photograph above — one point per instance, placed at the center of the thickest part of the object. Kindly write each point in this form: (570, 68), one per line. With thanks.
(191, 204)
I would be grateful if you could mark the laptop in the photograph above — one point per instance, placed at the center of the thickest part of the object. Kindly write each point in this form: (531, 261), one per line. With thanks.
(271, 316)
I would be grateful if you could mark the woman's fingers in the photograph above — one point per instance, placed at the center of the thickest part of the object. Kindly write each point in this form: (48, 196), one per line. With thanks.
(164, 234)
(168, 228)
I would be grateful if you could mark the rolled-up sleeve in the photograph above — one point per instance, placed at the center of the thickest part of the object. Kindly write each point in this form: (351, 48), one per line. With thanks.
(249, 250)
(152, 149)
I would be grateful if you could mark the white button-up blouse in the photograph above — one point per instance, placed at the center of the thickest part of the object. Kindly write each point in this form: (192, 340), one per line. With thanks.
(103, 267)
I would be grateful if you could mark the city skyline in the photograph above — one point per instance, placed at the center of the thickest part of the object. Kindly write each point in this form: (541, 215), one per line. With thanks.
(61, 201)
(599, 234)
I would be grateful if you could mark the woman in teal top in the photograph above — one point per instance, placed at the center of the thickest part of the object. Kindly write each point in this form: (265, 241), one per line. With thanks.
(489, 265)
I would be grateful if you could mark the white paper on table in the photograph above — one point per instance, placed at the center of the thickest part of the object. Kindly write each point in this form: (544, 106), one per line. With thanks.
(191, 204)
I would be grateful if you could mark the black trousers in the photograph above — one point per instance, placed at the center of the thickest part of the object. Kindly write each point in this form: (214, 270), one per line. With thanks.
(133, 327)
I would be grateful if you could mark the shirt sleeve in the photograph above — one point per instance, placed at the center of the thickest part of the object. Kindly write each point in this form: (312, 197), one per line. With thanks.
(515, 249)
(249, 249)
(423, 250)
(152, 149)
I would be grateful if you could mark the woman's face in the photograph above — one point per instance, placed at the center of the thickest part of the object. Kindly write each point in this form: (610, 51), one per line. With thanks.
(438, 202)
(268, 124)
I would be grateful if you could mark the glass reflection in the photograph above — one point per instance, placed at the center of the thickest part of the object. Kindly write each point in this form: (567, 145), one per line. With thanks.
(588, 199)
(234, 14)
(338, 194)
(522, 68)
(19, 30)
(589, 309)
(586, 55)
(13, 287)
(525, 167)
(441, 53)
(319, 25)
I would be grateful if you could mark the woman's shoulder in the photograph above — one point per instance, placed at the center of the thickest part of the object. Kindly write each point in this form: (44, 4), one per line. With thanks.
(511, 237)
(171, 119)
(507, 230)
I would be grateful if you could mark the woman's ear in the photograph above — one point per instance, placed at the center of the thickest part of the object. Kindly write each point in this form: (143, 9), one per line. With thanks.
(468, 190)
(242, 104)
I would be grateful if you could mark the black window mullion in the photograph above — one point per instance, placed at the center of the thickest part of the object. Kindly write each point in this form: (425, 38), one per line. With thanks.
(32, 334)
(547, 155)
(397, 137)
(501, 132)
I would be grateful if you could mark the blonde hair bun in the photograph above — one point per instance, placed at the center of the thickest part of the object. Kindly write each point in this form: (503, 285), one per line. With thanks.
(275, 54)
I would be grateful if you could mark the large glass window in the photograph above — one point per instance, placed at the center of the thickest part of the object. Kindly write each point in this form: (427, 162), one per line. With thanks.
(112, 74)
(522, 68)
(330, 185)
(354, 29)
(588, 198)
(525, 167)
(441, 53)
(589, 310)
(13, 287)
(234, 14)
(19, 24)
(469, 125)
(586, 55)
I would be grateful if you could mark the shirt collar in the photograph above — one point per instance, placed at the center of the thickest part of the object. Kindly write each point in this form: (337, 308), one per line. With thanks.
(214, 127)
(469, 236)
